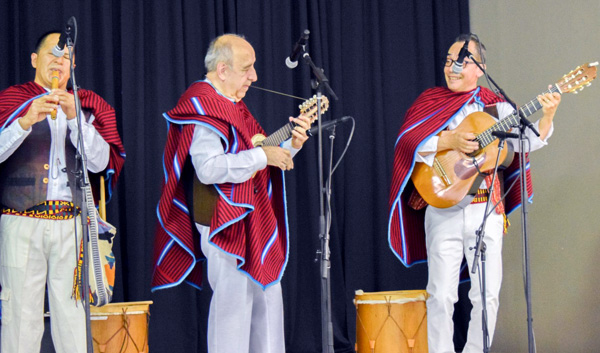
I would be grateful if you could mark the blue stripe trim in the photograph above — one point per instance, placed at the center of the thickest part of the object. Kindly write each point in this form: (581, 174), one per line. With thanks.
(165, 175)
(181, 206)
(196, 122)
(235, 146)
(176, 167)
(194, 285)
(242, 260)
(270, 189)
(15, 114)
(269, 245)
(199, 109)
(108, 179)
(397, 204)
(165, 251)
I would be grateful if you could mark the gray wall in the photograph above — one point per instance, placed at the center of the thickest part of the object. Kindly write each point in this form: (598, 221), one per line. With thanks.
(531, 44)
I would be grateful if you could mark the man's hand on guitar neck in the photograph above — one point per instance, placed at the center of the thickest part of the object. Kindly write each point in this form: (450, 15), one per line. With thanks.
(549, 102)
(299, 133)
(278, 157)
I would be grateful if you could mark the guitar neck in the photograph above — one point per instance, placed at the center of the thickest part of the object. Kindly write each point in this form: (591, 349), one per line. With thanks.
(276, 138)
(513, 120)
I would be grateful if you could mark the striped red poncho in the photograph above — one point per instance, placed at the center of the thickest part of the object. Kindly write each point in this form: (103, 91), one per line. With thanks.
(433, 110)
(15, 102)
(249, 222)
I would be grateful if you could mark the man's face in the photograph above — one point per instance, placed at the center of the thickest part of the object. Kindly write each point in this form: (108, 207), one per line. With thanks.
(240, 75)
(45, 62)
(467, 79)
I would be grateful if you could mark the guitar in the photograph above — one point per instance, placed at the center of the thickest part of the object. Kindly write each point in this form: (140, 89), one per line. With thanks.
(308, 109)
(454, 175)
(206, 196)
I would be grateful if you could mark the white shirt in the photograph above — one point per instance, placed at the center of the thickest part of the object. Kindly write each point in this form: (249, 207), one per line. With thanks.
(214, 166)
(97, 150)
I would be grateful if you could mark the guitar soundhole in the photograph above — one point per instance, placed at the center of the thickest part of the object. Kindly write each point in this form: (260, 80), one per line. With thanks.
(465, 168)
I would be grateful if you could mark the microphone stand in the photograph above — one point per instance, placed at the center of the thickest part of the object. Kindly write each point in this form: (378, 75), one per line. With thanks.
(82, 181)
(480, 248)
(525, 232)
(324, 216)
(524, 124)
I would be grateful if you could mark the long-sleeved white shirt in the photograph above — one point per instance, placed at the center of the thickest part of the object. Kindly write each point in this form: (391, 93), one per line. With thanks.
(214, 166)
(97, 150)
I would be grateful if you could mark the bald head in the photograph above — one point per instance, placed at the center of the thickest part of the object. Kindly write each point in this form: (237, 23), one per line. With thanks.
(230, 65)
(222, 48)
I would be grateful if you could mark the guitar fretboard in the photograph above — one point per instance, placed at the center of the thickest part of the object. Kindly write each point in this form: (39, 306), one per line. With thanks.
(276, 138)
(511, 121)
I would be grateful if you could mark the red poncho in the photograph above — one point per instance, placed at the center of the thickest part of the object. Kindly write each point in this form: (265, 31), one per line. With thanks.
(249, 222)
(433, 110)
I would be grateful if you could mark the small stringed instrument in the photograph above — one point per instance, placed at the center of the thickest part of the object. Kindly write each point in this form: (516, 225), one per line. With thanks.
(206, 196)
(455, 175)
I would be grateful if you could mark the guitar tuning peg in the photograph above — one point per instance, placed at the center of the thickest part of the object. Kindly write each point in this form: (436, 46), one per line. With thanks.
(575, 92)
(588, 84)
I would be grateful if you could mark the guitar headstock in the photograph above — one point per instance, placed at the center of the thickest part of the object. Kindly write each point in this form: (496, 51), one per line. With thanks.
(309, 107)
(578, 79)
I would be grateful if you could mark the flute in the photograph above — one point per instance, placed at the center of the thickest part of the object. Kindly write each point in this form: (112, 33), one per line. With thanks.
(54, 86)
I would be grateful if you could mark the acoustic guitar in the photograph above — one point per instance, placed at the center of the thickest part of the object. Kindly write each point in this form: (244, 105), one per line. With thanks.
(455, 175)
(206, 196)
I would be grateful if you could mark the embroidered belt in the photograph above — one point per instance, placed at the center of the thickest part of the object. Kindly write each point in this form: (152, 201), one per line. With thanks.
(481, 196)
(58, 210)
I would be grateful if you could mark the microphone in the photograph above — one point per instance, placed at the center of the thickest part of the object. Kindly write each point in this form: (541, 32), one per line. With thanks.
(292, 60)
(505, 135)
(327, 125)
(457, 66)
(59, 49)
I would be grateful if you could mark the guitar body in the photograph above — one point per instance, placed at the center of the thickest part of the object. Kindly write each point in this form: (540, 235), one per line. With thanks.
(455, 175)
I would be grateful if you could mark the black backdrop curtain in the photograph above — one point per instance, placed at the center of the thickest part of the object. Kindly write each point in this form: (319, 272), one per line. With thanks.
(140, 55)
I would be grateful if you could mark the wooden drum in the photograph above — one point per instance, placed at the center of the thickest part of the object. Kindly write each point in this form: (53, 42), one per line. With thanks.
(391, 322)
(120, 327)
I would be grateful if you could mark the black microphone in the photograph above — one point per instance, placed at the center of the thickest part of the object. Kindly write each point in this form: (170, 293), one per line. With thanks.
(505, 135)
(59, 49)
(327, 125)
(292, 60)
(457, 67)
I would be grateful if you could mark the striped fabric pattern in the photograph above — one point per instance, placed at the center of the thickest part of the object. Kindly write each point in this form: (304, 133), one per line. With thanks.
(249, 223)
(433, 110)
(15, 102)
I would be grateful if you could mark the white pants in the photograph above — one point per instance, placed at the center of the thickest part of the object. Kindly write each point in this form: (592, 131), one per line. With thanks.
(243, 317)
(450, 234)
(34, 252)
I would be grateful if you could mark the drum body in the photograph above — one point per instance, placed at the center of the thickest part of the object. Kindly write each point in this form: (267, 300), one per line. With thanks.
(120, 327)
(391, 322)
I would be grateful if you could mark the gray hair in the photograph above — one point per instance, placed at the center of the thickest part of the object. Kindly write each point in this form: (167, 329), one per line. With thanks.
(219, 50)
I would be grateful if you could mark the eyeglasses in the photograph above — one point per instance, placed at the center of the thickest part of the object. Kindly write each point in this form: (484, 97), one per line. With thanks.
(449, 62)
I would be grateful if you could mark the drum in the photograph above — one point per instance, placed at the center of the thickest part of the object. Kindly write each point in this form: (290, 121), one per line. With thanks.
(120, 327)
(391, 322)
